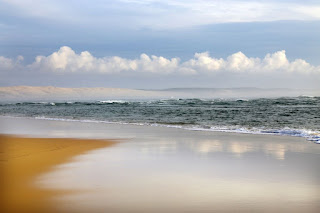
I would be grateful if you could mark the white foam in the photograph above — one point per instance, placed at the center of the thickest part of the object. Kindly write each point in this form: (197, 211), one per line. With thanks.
(112, 101)
(310, 135)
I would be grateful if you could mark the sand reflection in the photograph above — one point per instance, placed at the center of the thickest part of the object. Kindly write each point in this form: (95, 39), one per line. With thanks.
(208, 146)
(275, 150)
(199, 175)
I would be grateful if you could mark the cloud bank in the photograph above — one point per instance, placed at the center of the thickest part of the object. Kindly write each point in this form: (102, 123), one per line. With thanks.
(65, 60)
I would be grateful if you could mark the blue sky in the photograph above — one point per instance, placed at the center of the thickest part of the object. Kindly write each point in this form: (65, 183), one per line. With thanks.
(169, 28)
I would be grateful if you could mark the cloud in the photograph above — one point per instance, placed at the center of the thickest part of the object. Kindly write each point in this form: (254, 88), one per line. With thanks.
(161, 13)
(239, 62)
(202, 62)
(10, 64)
(66, 60)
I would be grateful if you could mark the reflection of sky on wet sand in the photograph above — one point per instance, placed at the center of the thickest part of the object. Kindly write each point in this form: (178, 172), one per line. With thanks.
(237, 148)
(195, 173)
(172, 170)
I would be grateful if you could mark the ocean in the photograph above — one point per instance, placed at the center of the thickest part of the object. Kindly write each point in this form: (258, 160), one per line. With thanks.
(299, 116)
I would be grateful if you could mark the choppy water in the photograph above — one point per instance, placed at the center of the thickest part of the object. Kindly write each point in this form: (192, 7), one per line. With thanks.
(298, 116)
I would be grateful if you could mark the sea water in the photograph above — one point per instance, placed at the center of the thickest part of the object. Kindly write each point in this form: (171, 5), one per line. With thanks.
(299, 116)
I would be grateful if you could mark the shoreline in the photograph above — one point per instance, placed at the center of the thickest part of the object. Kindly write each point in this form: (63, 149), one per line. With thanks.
(25, 158)
(307, 135)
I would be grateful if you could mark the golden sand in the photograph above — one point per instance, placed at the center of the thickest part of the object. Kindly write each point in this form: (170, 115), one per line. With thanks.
(22, 159)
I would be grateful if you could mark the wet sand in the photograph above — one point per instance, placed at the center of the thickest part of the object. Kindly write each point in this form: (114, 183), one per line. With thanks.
(22, 159)
(159, 169)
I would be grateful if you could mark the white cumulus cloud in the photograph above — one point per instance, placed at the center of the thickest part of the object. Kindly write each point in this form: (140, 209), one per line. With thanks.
(9, 63)
(66, 60)
(239, 62)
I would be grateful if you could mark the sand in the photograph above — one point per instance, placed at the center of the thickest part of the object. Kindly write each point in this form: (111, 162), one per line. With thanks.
(23, 159)
(157, 169)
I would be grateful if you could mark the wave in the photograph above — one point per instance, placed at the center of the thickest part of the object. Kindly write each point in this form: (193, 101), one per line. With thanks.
(310, 135)
(112, 102)
(43, 103)
(36, 103)
(301, 100)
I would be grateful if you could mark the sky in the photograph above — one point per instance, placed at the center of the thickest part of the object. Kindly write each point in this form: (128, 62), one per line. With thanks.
(153, 44)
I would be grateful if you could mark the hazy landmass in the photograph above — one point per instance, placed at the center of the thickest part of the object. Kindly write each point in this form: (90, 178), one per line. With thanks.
(30, 93)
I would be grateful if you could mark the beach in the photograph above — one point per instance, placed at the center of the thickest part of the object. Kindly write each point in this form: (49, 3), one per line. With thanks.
(157, 169)
(23, 158)
(147, 106)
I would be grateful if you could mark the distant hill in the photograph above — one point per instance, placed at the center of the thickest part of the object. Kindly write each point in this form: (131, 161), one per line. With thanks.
(30, 93)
